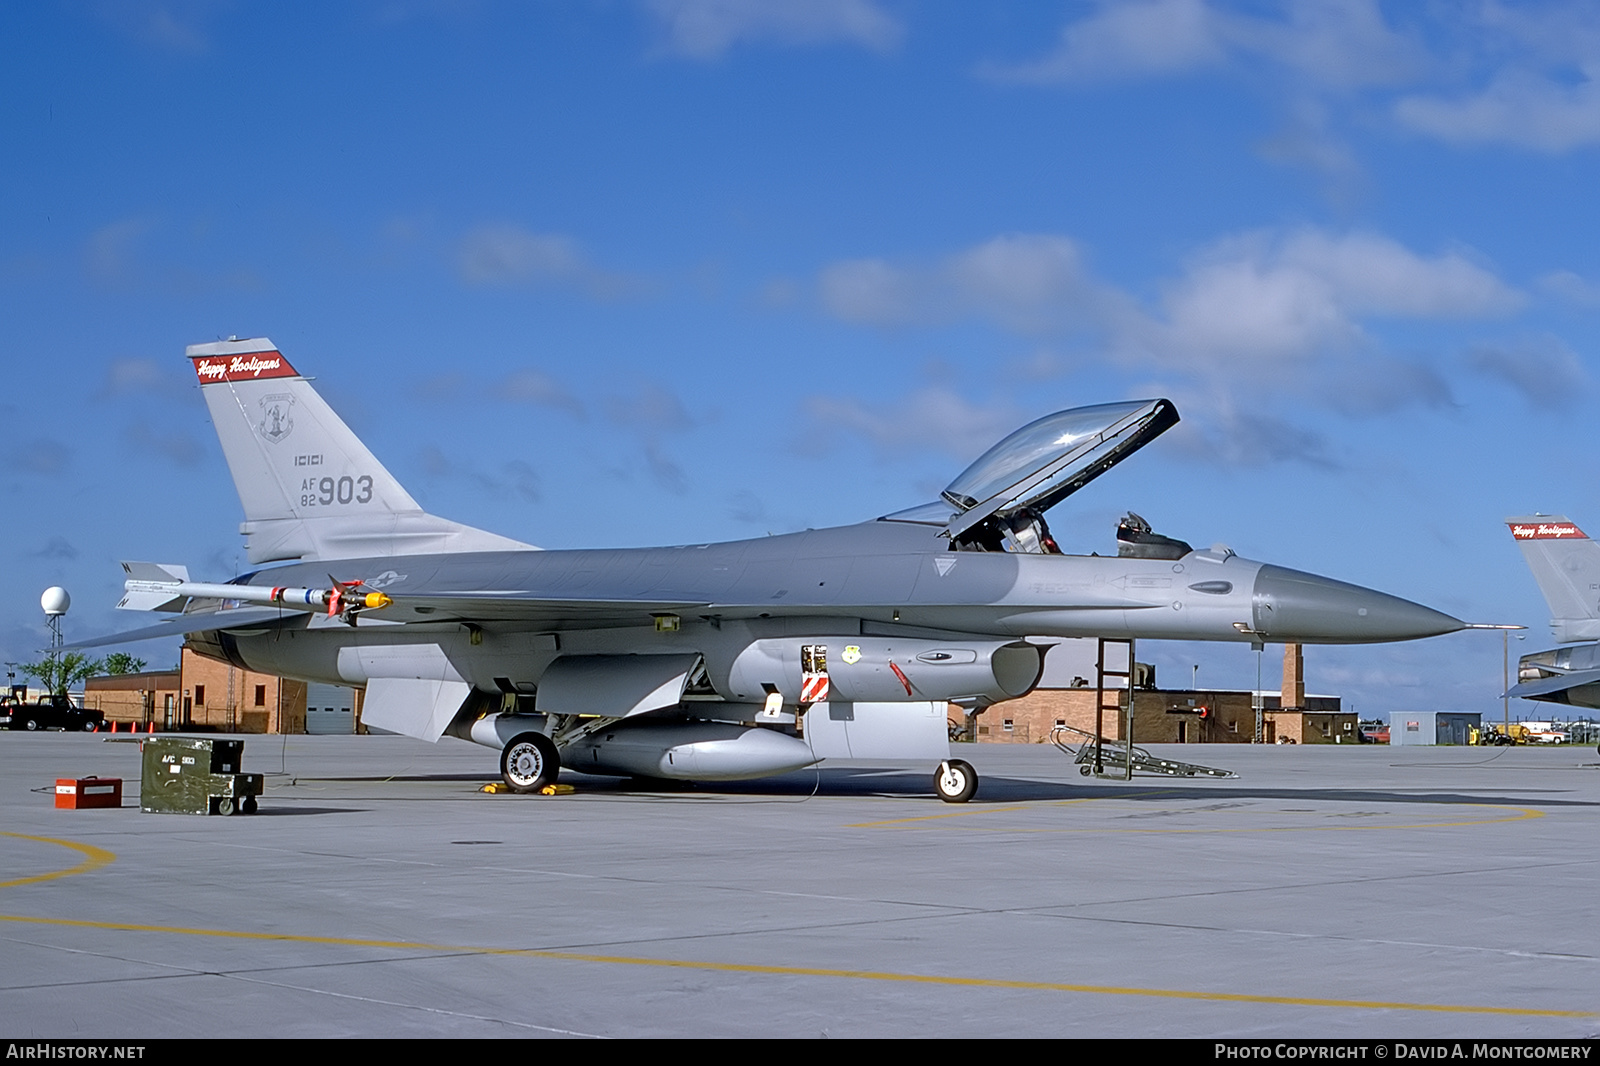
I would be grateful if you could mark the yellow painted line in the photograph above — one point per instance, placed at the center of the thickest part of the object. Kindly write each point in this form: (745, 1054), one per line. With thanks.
(95, 858)
(809, 971)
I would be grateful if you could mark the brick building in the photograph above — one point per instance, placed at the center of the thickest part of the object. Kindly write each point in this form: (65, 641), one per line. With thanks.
(205, 694)
(1173, 716)
(151, 696)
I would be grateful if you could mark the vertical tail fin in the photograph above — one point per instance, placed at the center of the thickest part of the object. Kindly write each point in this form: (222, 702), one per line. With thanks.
(1566, 564)
(310, 488)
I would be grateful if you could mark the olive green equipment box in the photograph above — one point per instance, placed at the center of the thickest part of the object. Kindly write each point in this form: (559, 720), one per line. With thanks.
(188, 775)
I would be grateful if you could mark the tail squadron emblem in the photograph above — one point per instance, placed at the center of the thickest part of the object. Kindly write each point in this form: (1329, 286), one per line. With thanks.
(275, 422)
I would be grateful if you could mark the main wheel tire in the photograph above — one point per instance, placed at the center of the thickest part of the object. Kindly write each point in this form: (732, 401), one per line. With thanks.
(529, 762)
(225, 805)
(249, 805)
(91, 726)
(30, 725)
(955, 781)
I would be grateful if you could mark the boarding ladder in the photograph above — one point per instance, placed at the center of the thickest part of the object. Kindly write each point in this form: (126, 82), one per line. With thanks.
(1095, 754)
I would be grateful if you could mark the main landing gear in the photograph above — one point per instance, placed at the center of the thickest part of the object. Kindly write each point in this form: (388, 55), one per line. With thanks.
(530, 762)
(955, 781)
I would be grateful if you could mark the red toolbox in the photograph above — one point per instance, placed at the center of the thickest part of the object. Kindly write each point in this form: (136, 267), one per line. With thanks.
(86, 792)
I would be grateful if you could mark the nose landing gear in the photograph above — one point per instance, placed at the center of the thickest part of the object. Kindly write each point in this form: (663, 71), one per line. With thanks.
(955, 781)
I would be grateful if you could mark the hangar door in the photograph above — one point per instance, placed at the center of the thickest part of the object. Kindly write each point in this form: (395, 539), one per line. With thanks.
(330, 709)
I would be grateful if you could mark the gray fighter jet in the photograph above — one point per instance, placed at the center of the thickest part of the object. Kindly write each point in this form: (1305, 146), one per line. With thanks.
(1566, 564)
(701, 661)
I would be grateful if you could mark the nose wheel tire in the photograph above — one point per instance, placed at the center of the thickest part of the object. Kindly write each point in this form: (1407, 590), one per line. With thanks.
(955, 781)
(529, 762)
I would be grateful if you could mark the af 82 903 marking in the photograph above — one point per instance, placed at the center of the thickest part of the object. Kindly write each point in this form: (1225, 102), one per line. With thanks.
(323, 492)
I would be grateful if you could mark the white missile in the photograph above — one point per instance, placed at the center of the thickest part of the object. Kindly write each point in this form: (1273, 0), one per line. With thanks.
(147, 592)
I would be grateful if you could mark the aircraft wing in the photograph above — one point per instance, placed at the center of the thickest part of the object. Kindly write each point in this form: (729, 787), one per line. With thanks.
(519, 606)
(489, 606)
(239, 617)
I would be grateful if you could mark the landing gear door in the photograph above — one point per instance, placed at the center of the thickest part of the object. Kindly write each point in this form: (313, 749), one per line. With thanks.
(1046, 461)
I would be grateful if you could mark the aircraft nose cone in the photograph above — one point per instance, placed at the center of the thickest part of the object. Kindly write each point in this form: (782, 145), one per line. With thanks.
(1295, 607)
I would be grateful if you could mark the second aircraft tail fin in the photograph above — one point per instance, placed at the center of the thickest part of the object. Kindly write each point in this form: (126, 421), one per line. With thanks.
(310, 488)
(1566, 564)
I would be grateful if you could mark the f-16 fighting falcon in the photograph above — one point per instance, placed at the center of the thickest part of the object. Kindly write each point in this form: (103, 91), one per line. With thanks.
(701, 661)
(1566, 564)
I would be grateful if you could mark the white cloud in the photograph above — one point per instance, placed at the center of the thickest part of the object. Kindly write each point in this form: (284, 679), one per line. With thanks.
(654, 409)
(1028, 283)
(41, 456)
(179, 447)
(1535, 70)
(509, 255)
(532, 386)
(171, 25)
(1223, 434)
(1266, 300)
(706, 29)
(1525, 75)
(1253, 316)
(1519, 108)
(515, 478)
(134, 375)
(112, 253)
(1143, 38)
(1543, 369)
(1570, 286)
(492, 254)
(1332, 44)
(651, 413)
(146, 253)
(1337, 44)
(1376, 384)
(1258, 300)
(870, 292)
(931, 418)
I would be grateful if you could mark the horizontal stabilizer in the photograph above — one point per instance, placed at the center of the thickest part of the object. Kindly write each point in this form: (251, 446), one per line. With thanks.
(1528, 690)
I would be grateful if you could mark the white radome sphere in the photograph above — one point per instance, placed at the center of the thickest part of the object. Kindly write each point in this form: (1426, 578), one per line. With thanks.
(55, 600)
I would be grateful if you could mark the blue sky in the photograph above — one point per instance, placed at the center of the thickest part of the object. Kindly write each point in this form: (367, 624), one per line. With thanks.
(631, 272)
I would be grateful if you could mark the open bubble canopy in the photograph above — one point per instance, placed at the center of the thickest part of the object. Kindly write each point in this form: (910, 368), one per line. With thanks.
(1047, 460)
